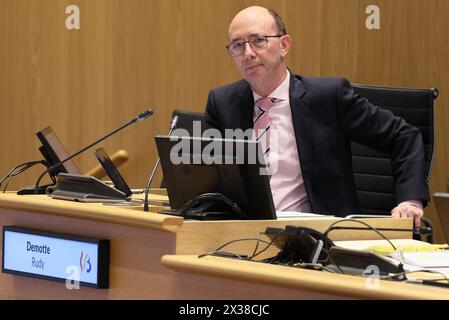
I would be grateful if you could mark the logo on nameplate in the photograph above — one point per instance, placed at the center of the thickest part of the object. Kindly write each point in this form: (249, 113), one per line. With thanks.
(85, 264)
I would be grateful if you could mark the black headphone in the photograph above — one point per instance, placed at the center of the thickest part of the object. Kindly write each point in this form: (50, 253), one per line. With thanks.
(210, 202)
(299, 244)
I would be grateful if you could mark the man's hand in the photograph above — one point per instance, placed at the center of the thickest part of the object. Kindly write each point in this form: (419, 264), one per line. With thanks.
(407, 210)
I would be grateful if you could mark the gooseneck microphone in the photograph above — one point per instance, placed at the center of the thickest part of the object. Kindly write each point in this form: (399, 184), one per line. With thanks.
(173, 124)
(50, 169)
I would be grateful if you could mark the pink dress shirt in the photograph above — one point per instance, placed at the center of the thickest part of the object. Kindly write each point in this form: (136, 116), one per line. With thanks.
(287, 184)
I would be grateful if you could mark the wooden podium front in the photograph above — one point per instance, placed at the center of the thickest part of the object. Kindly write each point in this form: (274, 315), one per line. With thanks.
(223, 278)
(138, 241)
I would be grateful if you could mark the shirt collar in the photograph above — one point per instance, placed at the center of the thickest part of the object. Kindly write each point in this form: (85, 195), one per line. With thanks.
(281, 92)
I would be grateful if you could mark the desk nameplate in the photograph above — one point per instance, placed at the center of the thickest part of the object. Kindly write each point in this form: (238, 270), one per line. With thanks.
(55, 256)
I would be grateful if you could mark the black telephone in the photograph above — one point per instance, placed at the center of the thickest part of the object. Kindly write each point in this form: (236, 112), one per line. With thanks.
(309, 246)
(299, 244)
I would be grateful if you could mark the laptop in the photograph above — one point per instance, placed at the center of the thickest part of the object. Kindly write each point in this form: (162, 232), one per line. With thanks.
(205, 170)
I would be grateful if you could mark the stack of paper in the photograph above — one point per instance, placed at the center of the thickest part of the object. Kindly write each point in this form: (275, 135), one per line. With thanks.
(427, 259)
(295, 214)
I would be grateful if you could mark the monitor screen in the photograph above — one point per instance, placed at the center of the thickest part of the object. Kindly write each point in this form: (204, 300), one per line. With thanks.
(194, 165)
(189, 123)
(54, 151)
(112, 171)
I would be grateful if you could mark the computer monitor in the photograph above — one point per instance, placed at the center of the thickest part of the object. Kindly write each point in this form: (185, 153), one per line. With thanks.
(196, 165)
(54, 151)
(112, 171)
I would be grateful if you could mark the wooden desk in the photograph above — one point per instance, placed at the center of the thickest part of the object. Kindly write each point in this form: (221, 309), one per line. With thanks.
(223, 278)
(138, 241)
(200, 237)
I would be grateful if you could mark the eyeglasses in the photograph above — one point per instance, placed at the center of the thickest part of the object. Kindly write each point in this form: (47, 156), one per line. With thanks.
(256, 43)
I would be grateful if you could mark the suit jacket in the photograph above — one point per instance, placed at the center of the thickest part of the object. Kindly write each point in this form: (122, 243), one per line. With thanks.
(327, 114)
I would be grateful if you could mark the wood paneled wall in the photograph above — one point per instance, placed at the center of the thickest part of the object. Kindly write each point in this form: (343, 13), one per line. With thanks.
(166, 54)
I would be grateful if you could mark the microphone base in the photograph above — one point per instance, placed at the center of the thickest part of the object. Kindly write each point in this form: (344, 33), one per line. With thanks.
(34, 190)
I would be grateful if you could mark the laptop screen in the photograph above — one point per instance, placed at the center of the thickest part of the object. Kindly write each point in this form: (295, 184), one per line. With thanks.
(194, 166)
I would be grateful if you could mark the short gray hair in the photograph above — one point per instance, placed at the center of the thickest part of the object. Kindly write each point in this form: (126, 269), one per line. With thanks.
(280, 24)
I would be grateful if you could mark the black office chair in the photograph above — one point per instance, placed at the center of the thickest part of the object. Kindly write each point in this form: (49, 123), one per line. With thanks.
(372, 169)
(187, 121)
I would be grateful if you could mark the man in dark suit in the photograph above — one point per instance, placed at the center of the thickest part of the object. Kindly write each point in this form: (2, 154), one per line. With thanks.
(313, 121)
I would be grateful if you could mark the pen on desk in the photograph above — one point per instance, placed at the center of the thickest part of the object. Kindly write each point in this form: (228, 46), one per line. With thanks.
(428, 282)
